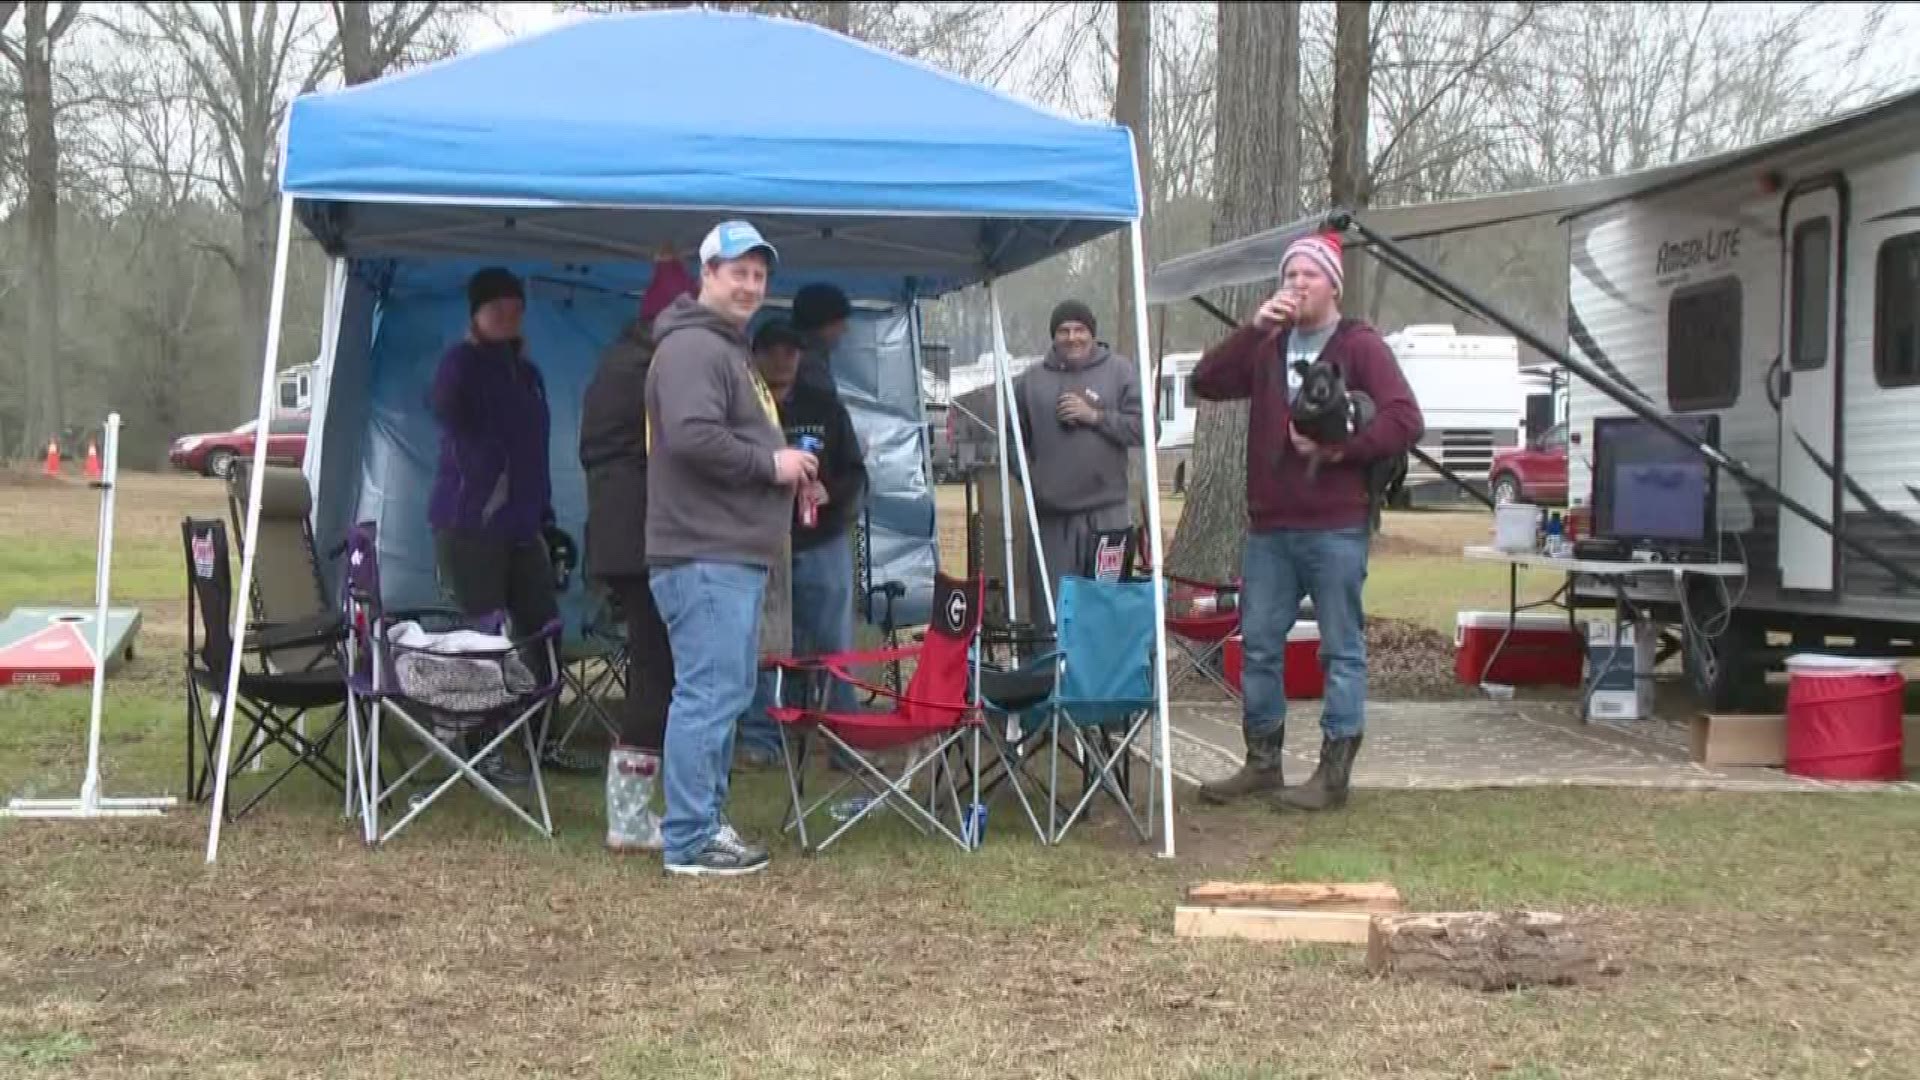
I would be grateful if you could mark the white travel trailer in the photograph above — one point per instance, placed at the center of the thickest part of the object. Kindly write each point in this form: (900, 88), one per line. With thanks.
(1782, 296)
(1175, 409)
(1472, 397)
(1774, 287)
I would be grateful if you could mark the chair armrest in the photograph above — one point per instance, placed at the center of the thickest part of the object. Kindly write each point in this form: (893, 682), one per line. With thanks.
(322, 629)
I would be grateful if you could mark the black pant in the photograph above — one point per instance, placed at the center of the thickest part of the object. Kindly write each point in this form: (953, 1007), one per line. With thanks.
(483, 575)
(649, 666)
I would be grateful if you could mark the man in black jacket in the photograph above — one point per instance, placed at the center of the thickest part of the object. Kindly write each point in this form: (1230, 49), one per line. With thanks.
(822, 546)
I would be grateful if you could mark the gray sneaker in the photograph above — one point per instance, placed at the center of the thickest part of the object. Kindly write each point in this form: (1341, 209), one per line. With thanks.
(726, 855)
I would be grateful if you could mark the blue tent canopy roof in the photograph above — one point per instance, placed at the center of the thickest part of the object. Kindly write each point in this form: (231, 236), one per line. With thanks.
(873, 165)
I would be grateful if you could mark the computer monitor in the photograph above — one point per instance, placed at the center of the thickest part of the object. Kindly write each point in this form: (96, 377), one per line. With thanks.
(1652, 491)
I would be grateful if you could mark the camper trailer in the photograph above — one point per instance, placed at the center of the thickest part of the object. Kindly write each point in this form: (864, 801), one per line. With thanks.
(1470, 393)
(1174, 411)
(1781, 296)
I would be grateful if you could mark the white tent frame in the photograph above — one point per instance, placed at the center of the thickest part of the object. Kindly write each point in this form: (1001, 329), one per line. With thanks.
(336, 293)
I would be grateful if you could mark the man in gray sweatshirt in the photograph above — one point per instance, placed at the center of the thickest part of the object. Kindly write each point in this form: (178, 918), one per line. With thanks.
(1079, 415)
(720, 493)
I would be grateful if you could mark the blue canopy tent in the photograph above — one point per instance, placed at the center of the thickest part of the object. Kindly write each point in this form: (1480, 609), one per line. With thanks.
(575, 154)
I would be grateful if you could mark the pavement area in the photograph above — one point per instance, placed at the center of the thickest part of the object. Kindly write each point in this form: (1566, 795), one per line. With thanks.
(1462, 745)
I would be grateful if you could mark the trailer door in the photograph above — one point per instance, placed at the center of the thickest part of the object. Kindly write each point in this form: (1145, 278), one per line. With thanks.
(1807, 384)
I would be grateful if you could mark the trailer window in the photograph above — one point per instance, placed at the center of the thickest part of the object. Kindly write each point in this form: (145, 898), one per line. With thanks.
(1703, 346)
(1812, 280)
(1896, 312)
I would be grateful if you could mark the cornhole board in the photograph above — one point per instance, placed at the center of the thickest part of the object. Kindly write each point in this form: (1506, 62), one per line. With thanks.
(49, 646)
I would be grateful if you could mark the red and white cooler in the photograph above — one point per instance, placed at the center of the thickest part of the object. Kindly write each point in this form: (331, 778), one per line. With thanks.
(1303, 679)
(1543, 650)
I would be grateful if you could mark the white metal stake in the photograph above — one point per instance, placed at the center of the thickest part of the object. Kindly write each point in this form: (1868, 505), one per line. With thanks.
(1150, 462)
(1011, 421)
(1000, 432)
(270, 363)
(90, 804)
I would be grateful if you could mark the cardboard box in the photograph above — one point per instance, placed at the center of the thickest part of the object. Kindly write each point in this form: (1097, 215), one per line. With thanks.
(1620, 657)
(1733, 739)
(1761, 741)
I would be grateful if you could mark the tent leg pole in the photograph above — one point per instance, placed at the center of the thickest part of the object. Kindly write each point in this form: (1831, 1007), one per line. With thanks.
(270, 363)
(1399, 258)
(1150, 468)
(1000, 432)
(1012, 408)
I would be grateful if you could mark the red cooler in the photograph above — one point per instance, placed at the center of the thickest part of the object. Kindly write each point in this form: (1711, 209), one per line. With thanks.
(1543, 651)
(1304, 679)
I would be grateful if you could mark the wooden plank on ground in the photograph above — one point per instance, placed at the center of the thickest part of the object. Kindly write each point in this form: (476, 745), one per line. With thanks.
(1378, 897)
(1271, 924)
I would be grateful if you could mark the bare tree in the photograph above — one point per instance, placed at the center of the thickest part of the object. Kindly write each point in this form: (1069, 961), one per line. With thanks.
(1132, 92)
(1348, 176)
(32, 57)
(1256, 185)
(375, 39)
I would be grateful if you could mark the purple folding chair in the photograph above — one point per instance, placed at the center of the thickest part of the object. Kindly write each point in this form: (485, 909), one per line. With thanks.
(431, 676)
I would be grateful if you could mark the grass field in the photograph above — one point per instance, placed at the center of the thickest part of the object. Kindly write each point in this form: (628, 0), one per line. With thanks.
(1756, 935)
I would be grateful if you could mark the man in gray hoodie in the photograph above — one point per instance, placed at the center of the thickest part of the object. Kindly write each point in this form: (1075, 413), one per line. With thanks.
(1079, 416)
(720, 494)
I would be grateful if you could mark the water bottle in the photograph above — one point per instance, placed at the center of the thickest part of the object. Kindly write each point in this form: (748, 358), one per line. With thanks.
(973, 827)
(809, 510)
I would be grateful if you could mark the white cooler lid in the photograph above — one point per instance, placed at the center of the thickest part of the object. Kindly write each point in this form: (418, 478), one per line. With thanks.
(1819, 664)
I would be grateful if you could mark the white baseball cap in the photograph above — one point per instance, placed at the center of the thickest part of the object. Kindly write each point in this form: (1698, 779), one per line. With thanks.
(733, 239)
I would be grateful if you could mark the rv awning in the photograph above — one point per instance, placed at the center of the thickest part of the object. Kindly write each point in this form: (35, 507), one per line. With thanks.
(1257, 257)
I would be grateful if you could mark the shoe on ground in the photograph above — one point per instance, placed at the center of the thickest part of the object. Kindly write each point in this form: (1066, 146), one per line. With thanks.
(725, 855)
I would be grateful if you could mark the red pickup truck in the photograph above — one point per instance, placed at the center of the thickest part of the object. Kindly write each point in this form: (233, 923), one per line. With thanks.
(1535, 473)
(213, 454)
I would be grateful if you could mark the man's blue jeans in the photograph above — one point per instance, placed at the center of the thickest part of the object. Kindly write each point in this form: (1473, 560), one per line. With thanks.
(1279, 566)
(822, 625)
(712, 612)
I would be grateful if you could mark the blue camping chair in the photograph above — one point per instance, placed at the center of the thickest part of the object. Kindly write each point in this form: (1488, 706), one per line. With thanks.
(1101, 699)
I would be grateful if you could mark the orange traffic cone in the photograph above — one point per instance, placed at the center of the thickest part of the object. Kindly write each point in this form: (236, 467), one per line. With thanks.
(93, 460)
(53, 457)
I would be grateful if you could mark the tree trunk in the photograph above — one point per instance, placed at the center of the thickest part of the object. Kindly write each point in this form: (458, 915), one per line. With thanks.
(1482, 950)
(839, 17)
(1132, 90)
(253, 272)
(45, 417)
(355, 24)
(1256, 186)
(1347, 172)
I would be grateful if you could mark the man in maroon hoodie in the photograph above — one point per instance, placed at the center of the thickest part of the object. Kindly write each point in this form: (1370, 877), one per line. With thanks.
(1308, 528)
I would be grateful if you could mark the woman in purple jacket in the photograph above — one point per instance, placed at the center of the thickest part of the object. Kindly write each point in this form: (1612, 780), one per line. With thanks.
(491, 507)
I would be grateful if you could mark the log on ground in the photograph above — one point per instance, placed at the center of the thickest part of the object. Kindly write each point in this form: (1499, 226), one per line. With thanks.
(1482, 950)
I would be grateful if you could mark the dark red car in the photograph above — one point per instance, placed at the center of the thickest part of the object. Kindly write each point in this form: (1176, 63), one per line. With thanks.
(214, 454)
(1535, 473)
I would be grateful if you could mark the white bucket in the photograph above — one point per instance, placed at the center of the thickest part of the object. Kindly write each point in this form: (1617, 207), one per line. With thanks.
(1815, 664)
(1515, 526)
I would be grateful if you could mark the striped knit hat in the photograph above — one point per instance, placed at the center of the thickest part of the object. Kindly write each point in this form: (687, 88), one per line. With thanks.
(1324, 250)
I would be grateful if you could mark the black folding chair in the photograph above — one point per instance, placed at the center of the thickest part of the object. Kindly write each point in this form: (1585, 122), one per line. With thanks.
(272, 700)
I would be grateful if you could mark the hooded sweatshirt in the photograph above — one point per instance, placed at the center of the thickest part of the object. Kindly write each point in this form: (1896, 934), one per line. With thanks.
(613, 454)
(492, 474)
(713, 431)
(1077, 468)
(1250, 365)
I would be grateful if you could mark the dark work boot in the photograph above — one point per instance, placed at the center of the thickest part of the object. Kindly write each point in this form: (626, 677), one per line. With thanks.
(1326, 789)
(1259, 775)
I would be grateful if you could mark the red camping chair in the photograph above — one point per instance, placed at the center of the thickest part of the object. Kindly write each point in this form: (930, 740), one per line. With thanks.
(1201, 617)
(931, 716)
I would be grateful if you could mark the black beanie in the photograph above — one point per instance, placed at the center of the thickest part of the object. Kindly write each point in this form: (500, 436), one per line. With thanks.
(493, 283)
(1072, 311)
(818, 305)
